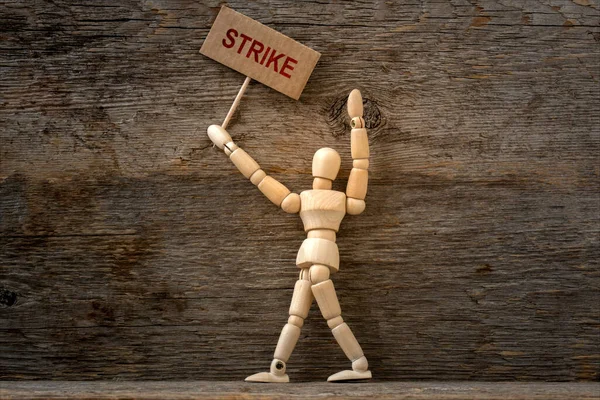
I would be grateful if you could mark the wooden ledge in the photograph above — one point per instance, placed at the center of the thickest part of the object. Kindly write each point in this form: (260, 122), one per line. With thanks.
(306, 390)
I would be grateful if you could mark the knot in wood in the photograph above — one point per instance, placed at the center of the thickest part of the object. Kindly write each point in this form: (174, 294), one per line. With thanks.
(8, 298)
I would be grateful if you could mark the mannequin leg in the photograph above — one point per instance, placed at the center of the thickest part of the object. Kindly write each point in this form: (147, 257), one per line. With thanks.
(324, 292)
(300, 305)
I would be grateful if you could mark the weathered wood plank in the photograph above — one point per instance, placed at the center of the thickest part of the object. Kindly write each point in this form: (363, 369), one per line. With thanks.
(239, 390)
(129, 246)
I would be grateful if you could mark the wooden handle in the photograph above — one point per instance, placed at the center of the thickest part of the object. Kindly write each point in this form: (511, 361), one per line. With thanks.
(236, 102)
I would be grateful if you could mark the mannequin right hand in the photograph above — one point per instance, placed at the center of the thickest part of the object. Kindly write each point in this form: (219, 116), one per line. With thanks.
(218, 136)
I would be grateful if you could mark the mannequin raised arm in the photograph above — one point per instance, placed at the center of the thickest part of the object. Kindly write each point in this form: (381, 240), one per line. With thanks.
(356, 190)
(270, 187)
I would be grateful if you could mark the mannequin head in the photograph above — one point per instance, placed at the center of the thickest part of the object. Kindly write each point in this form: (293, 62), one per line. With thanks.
(325, 167)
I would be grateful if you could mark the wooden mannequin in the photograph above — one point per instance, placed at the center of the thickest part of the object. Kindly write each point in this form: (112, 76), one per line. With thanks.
(322, 211)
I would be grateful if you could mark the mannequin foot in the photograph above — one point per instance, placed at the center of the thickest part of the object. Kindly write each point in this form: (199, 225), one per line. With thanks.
(268, 377)
(360, 371)
(349, 375)
(277, 374)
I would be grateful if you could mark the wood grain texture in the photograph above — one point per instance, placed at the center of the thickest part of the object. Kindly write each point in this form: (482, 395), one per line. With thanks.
(131, 249)
(241, 390)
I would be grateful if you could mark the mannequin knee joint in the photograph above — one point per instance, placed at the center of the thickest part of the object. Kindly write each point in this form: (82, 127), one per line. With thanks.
(296, 320)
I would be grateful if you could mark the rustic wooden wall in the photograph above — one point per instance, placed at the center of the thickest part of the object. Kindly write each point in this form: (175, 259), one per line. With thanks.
(131, 249)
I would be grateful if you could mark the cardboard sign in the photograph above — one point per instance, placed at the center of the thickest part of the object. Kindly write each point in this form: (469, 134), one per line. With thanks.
(260, 52)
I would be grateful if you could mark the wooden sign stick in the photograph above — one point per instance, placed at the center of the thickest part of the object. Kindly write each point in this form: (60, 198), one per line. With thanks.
(236, 103)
